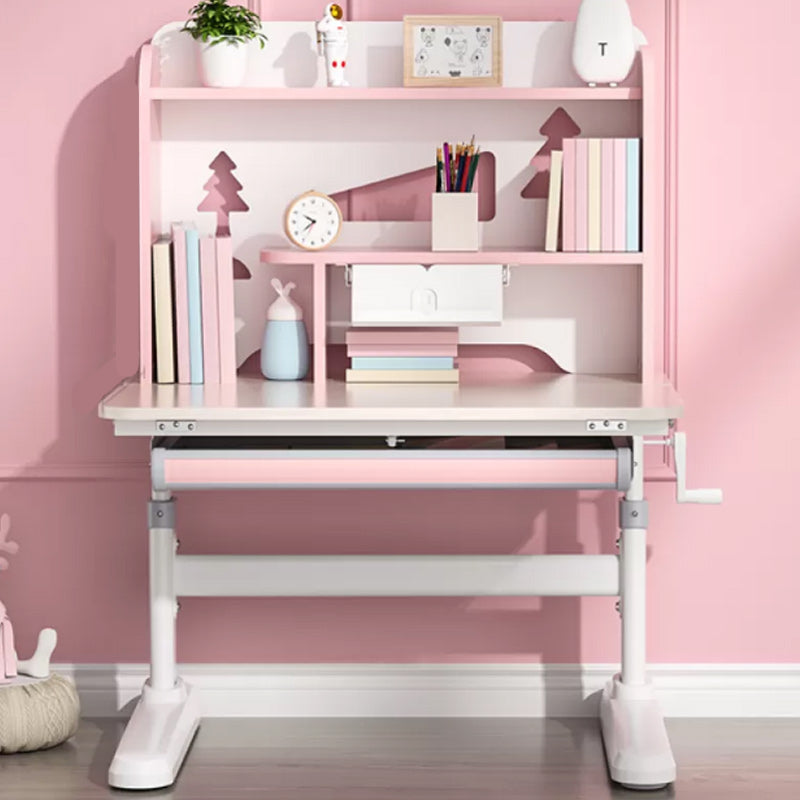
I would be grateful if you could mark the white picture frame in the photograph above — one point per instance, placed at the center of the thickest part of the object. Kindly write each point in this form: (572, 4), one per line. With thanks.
(452, 50)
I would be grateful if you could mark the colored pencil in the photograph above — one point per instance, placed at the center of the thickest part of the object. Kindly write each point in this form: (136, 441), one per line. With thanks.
(439, 166)
(446, 167)
(460, 171)
(473, 169)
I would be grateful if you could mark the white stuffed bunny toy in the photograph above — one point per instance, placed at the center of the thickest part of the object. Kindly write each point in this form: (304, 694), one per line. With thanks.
(10, 666)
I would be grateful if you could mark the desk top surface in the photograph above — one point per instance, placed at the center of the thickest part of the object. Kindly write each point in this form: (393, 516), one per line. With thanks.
(538, 398)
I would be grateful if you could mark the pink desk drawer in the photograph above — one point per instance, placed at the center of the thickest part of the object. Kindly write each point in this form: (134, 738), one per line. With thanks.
(199, 468)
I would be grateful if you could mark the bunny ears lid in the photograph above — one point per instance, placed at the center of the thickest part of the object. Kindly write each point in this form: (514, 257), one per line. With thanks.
(284, 308)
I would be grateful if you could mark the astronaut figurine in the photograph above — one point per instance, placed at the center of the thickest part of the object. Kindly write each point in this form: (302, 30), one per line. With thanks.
(332, 43)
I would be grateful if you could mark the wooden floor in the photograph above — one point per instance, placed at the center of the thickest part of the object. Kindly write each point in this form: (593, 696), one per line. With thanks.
(413, 759)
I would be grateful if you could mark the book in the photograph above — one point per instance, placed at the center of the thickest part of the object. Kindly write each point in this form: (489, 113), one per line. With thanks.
(181, 304)
(399, 362)
(554, 201)
(633, 198)
(581, 195)
(568, 197)
(401, 376)
(162, 311)
(194, 303)
(594, 196)
(401, 336)
(607, 195)
(620, 195)
(226, 308)
(209, 308)
(394, 350)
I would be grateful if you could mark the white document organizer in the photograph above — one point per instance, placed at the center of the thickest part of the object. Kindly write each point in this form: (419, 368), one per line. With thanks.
(442, 294)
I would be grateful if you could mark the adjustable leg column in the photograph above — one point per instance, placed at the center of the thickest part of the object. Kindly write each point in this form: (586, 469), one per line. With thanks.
(166, 717)
(637, 748)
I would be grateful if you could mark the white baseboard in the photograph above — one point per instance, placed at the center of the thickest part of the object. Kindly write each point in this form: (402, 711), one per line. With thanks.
(445, 690)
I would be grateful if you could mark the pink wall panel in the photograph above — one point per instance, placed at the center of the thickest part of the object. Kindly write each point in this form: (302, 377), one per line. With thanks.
(722, 579)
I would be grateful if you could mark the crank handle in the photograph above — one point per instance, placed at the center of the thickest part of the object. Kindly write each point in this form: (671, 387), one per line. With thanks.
(684, 495)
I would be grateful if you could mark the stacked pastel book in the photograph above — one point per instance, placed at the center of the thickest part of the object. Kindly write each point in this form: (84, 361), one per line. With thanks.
(595, 196)
(193, 320)
(402, 355)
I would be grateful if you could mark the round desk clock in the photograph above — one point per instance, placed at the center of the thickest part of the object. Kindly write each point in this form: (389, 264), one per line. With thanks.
(313, 221)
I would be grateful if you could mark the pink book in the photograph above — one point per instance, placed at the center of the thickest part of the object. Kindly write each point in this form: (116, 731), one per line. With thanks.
(181, 303)
(568, 197)
(412, 350)
(620, 196)
(582, 195)
(607, 195)
(227, 315)
(402, 336)
(208, 293)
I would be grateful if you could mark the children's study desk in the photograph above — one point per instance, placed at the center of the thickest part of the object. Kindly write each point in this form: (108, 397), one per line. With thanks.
(561, 431)
(599, 315)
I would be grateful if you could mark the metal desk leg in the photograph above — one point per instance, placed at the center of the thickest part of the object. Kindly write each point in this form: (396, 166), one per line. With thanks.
(167, 714)
(637, 748)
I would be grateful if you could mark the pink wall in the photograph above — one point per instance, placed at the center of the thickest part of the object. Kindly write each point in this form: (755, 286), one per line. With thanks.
(722, 579)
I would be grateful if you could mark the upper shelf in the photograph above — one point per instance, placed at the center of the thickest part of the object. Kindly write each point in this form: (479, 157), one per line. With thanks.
(398, 255)
(537, 65)
(557, 94)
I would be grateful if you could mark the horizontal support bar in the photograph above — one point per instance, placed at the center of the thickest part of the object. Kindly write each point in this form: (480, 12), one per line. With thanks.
(396, 576)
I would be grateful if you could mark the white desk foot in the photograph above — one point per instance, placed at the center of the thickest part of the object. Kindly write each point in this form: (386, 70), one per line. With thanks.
(635, 738)
(156, 738)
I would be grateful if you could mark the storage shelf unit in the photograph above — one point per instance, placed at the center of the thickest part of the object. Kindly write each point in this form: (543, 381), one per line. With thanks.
(156, 104)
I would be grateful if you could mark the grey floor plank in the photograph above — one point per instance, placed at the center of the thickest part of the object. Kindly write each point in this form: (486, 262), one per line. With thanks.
(420, 759)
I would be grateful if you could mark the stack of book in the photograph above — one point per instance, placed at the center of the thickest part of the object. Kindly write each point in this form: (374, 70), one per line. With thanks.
(194, 335)
(402, 355)
(595, 193)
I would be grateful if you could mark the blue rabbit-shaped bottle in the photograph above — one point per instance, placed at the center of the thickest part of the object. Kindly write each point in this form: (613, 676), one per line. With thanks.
(284, 351)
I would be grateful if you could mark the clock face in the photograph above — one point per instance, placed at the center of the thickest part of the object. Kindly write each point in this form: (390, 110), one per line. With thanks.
(313, 221)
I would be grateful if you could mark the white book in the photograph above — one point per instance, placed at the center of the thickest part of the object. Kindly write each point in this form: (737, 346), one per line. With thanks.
(162, 311)
(554, 201)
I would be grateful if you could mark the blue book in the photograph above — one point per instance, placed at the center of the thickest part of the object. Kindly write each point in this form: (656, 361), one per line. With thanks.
(195, 305)
(633, 195)
(402, 362)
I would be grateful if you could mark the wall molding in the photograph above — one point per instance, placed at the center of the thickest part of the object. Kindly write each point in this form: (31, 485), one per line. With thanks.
(444, 690)
(100, 471)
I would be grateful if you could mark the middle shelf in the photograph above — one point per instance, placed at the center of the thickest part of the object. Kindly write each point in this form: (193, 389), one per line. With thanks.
(335, 255)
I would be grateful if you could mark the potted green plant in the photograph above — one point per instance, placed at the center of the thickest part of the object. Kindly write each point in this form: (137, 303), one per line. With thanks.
(222, 33)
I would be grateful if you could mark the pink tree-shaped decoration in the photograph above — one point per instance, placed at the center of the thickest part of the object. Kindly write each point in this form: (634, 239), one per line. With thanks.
(223, 193)
(558, 126)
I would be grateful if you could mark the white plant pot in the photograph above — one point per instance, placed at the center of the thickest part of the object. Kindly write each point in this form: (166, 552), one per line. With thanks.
(223, 64)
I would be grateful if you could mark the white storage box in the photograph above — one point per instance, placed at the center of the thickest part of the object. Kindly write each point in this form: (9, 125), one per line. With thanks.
(442, 294)
(454, 221)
